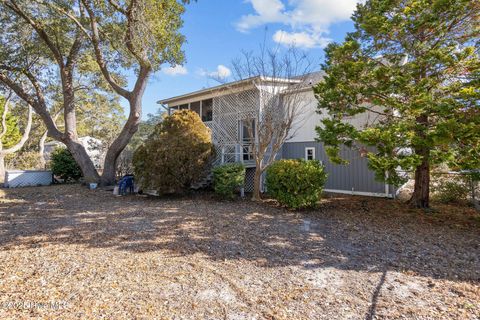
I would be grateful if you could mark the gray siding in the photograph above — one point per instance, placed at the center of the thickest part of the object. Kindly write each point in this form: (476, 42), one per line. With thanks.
(355, 176)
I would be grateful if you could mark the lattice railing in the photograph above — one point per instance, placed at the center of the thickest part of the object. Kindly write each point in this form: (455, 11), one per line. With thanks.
(228, 111)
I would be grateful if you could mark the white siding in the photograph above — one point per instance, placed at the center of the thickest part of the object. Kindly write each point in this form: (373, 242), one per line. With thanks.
(304, 126)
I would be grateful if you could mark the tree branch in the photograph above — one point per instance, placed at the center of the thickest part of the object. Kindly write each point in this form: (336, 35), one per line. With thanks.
(38, 105)
(25, 135)
(98, 53)
(40, 31)
(4, 119)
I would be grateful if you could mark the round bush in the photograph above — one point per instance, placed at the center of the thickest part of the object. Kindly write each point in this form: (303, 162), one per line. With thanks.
(296, 183)
(450, 188)
(176, 155)
(63, 165)
(228, 178)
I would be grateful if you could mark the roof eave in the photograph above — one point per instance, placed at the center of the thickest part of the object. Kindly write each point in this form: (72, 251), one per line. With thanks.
(224, 86)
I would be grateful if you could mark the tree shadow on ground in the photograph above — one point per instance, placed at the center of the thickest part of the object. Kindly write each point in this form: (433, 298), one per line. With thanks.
(345, 232)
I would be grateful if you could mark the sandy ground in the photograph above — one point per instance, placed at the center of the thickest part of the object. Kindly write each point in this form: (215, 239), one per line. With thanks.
(67, 252)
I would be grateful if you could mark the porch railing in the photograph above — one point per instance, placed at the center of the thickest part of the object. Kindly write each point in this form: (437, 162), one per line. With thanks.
(236, 153)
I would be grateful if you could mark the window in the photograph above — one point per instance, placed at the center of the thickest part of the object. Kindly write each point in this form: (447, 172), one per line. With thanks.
(195, 106)
(207, 110)
(245, 128)
(309, 153)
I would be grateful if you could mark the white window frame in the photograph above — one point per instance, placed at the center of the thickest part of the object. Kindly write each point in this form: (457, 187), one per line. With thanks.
(306, 153)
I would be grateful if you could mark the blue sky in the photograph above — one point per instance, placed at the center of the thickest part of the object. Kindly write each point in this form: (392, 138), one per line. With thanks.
(217, 31)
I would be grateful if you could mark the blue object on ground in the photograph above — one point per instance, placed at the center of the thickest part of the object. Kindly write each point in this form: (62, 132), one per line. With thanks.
(125, 185)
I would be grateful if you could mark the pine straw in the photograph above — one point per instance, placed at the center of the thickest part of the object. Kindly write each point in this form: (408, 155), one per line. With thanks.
(101, 256)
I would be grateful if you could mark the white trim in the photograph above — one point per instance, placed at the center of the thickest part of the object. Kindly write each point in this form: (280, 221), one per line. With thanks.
(306, 152)
(359, 193)
(247, 82)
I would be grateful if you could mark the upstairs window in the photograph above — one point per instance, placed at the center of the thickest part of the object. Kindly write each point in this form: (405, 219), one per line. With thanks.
(207, 110)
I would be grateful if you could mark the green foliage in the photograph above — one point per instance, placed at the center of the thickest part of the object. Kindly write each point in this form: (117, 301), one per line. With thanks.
(176, 155)
(64, 165)
(228, 178)
(296, 183)
(25, 160)
(412, 69)
(13, 134)
(99, 115)
(450, 188)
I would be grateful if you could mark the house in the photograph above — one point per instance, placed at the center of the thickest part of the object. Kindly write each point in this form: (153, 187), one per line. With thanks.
(92, 145)
(226, 108)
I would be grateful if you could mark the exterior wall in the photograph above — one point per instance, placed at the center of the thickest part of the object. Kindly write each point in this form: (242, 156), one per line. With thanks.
(355, 176)
(304, 127)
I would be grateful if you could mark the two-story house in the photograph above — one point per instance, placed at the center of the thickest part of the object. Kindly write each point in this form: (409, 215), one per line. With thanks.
(227, 110)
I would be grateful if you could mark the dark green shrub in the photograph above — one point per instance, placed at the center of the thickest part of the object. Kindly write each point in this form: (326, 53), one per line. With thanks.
(296, 183)
(176, 155)
(228, 178)
(63, 165)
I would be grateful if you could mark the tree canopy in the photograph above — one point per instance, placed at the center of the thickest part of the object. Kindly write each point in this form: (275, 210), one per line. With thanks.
(412, 69)
(66, 47)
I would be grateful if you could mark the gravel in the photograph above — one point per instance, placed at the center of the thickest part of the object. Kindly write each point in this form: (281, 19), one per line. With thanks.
(68, 252)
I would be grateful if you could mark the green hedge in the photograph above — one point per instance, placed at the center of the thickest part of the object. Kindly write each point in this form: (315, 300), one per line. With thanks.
(64, 165)
(228, 178)
(296, 183)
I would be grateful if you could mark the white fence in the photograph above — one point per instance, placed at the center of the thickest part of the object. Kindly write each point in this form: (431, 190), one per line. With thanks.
(27, 178)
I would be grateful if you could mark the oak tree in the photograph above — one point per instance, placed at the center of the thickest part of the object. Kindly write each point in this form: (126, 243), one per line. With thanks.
(75, 45)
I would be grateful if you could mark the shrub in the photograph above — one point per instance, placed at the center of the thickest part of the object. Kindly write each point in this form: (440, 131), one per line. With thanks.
(228, 178)
(296, 183)
(64, 165)
(450, 188)
(27, 160)
(176, 155)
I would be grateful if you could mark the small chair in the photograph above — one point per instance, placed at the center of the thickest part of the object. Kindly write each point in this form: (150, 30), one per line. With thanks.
(125, 185)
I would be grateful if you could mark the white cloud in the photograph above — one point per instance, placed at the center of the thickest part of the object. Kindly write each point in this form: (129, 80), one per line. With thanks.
(267, 11)
(308, 20)
(175, 71)
(300, 39)
(222, 72)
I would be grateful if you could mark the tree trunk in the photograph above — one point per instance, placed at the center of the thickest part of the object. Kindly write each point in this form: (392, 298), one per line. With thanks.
(129, 129)
(257, 182)
(110, 163)
(2, 168)
(41, 150)
(83, 160)
(421, 192)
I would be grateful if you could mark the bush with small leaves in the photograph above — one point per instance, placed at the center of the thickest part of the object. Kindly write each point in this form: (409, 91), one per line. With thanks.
(63, 165)
(449, 188)
(26, 160)
(296, 183)
(228, 178)
(176, 155)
